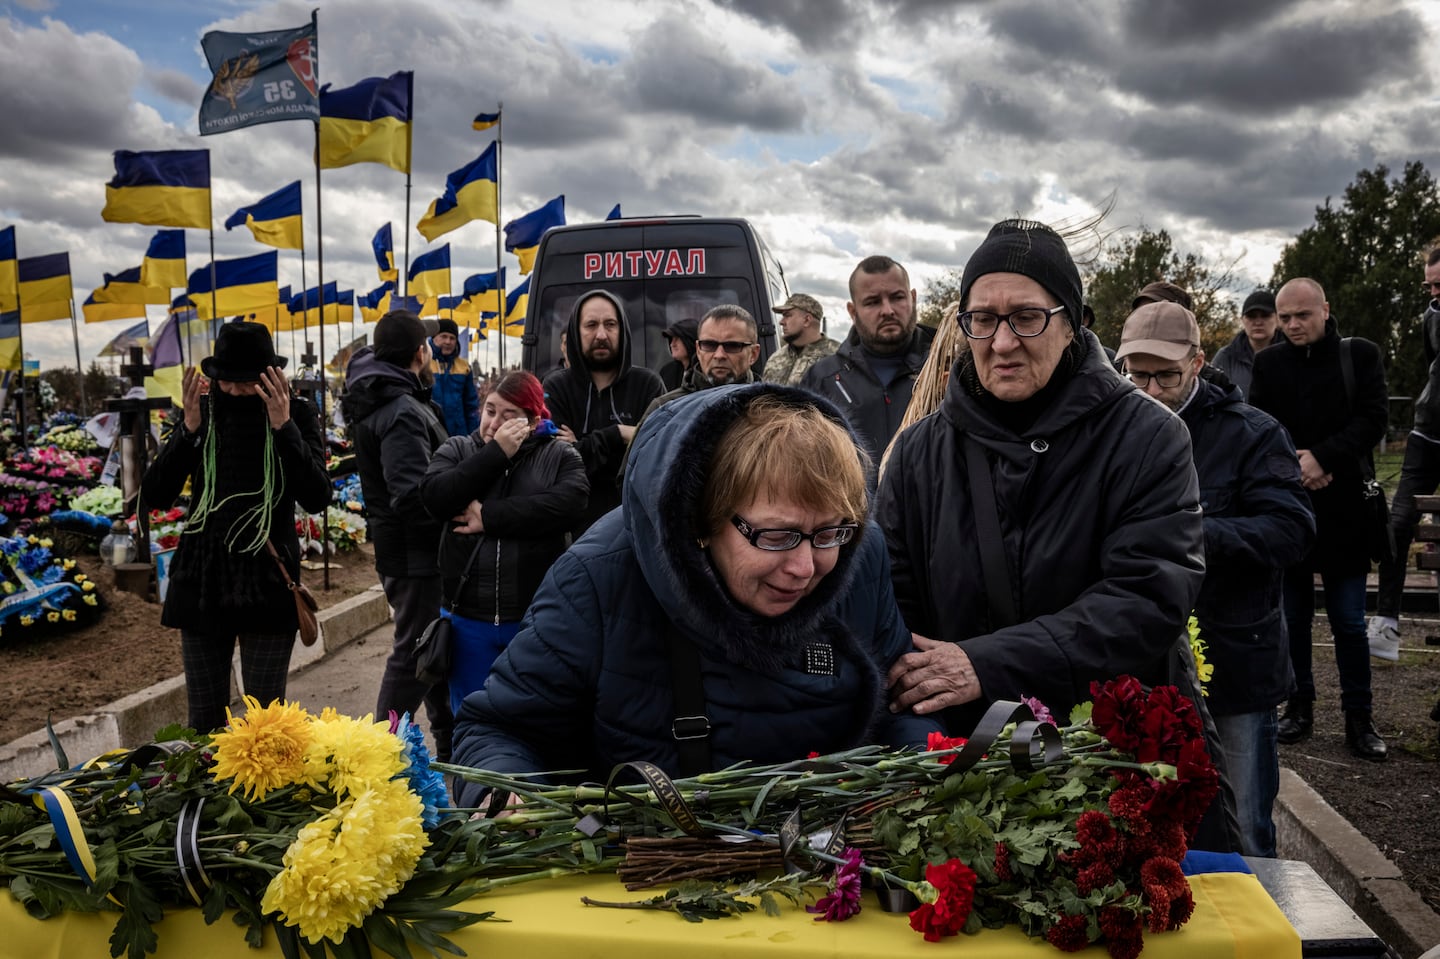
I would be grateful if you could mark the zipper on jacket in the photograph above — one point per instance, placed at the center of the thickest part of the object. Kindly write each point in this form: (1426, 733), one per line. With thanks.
(497, 560)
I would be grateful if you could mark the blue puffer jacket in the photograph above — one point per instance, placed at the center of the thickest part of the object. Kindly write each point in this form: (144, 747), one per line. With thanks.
(454, 392)
(586, 683)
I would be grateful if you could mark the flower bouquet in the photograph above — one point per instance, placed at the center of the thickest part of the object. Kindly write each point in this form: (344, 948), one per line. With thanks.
(346, 530)
(42, 591)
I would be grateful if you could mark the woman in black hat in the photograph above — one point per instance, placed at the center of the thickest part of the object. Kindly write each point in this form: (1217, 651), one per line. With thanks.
(251, 451)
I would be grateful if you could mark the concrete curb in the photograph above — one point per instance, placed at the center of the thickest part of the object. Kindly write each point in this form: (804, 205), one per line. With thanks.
(1308, 828)
(135, 718)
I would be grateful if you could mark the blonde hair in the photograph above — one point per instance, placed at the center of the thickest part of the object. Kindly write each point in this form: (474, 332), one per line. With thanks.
(778, 450)
(930, 383)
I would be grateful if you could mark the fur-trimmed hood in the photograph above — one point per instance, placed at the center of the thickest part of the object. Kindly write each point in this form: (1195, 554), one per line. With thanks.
(669, 460)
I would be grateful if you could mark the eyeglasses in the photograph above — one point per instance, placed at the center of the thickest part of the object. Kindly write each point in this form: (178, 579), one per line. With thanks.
(1168, 379)
(725, 346)
(1031, 321)
(779, 540)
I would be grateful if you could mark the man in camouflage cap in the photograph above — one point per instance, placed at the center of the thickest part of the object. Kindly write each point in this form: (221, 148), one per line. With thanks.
(800, 318)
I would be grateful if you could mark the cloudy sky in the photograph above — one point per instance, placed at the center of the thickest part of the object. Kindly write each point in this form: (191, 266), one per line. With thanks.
(840, 127)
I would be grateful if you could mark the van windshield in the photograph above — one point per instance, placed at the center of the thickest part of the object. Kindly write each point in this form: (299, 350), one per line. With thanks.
(650, 307)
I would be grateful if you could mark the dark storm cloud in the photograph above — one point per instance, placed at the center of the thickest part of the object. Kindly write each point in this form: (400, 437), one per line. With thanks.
(1059, 33)
(990, 109)
(174, 85)
(676, 68)
(818, 24)
(1288, 67)
(1178, 21)
(1191, 134)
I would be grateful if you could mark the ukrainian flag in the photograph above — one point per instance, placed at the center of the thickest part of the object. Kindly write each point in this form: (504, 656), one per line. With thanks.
(9, 272)
(484, 290)
(164, 263)
(168, 361)
(161, 188)
(274, 220)
(470, 194)
(367, 123)
(522, 236)
(517, 301)
(277, 316)
(457, 308)
(137, 335)
(10, 340)
(430, 273)
(484, 121)
(305, 307)
(128, 287)
(376, 303)
(384, 247)
(45, 290)
(240, 286)
(99, 311)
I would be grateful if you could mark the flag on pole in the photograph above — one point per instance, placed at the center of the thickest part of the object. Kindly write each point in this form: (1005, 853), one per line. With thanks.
(376, 303)
(274, 220)
(470, 194)
(9, 272)
(430, 273)
(10, 340)
(522, 236)
(614, 213)
(367, 123)
(45, 289)
(164, 263)
(305, 307)
(260, 78)
(161, 188)
(127, 287)
(137, 335)
(241, 285)
(484, 121)
(384, 247)
(96, 311)
(517, 301)
(168, 360)
(485, 290)
(275, 317)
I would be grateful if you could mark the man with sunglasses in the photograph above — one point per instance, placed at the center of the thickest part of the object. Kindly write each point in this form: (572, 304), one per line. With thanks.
(1257, 522)
(1419, 476)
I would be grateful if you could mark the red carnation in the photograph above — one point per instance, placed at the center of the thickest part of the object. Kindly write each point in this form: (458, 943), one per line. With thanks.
(954, 884)
(937, 741)
(1070, 934)
(1117, 710)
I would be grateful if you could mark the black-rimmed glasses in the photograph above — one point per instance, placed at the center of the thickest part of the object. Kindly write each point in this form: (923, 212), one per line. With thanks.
(727, 346)
(1168, 379)
(779, 540)
(1031, 321)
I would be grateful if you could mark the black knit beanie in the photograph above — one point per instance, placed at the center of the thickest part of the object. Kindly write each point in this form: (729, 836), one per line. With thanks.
(1031, 249)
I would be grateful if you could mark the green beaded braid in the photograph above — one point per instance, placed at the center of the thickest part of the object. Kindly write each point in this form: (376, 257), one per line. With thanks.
(261, 513)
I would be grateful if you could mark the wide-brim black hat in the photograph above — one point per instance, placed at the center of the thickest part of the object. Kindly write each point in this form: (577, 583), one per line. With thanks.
(243, 350)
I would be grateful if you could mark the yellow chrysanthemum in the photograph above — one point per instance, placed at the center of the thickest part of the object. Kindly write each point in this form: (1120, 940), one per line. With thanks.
(89, 600)
(52, 617)
(87, 586)
(264, 749)
(344, 865)
(26, 620)
(68, 565)
(81, 578)
(352, 755)
(68, 615)
(47, 542)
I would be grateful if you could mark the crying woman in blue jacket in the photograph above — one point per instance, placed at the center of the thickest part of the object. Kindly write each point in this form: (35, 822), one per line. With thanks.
(742, 557)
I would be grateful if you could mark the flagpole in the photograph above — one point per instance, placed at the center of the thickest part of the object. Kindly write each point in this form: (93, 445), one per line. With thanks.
(20, 345)
(499, 165)
(75, 335)
(324, 386)
(214, 294)
(305, 301)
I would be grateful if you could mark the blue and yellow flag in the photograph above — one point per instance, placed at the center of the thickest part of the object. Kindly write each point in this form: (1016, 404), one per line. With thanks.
(376, 303)
(10, 340)
(241, 286)
(517, 301)
(128, 287)
(45, 289)
(137, 335)
(161, 188)
(9, 272)
(367, 123)
(522, 236)
(457, 308)
(384, 247)
(470, 194)
(274, 220)
(97, 311)
(167, 358)
(306, 306)
(164, 263)
(275, 317)
(484, 121)
(260, 78)
(430, 273)
(485, 290)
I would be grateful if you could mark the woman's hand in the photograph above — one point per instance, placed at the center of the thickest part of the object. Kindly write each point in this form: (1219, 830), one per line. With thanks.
(275, 391)
(469, 520)
(511, 434)
(938, 675)
(191, 398)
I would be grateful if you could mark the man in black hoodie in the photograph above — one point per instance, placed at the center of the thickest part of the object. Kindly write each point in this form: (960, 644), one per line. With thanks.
(396, 429)
(599, 399)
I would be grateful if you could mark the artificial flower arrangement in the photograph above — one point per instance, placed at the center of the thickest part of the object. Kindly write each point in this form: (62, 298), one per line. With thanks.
(347, 530)
(328, 830)
(165, 527)
(26, 497)
(70, 436)
(349, 494)
(106, 501)
(55, 465)
(41, 591)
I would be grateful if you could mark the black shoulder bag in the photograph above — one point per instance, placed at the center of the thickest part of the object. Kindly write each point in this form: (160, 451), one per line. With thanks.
(435, 647)
(1379, 537)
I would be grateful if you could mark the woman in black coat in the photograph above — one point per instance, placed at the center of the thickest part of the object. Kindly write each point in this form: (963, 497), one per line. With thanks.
(512, 491)
(251, 451)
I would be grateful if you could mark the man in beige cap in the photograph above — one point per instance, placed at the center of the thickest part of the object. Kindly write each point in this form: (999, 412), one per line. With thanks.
(1257, 521)
(800, 318)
